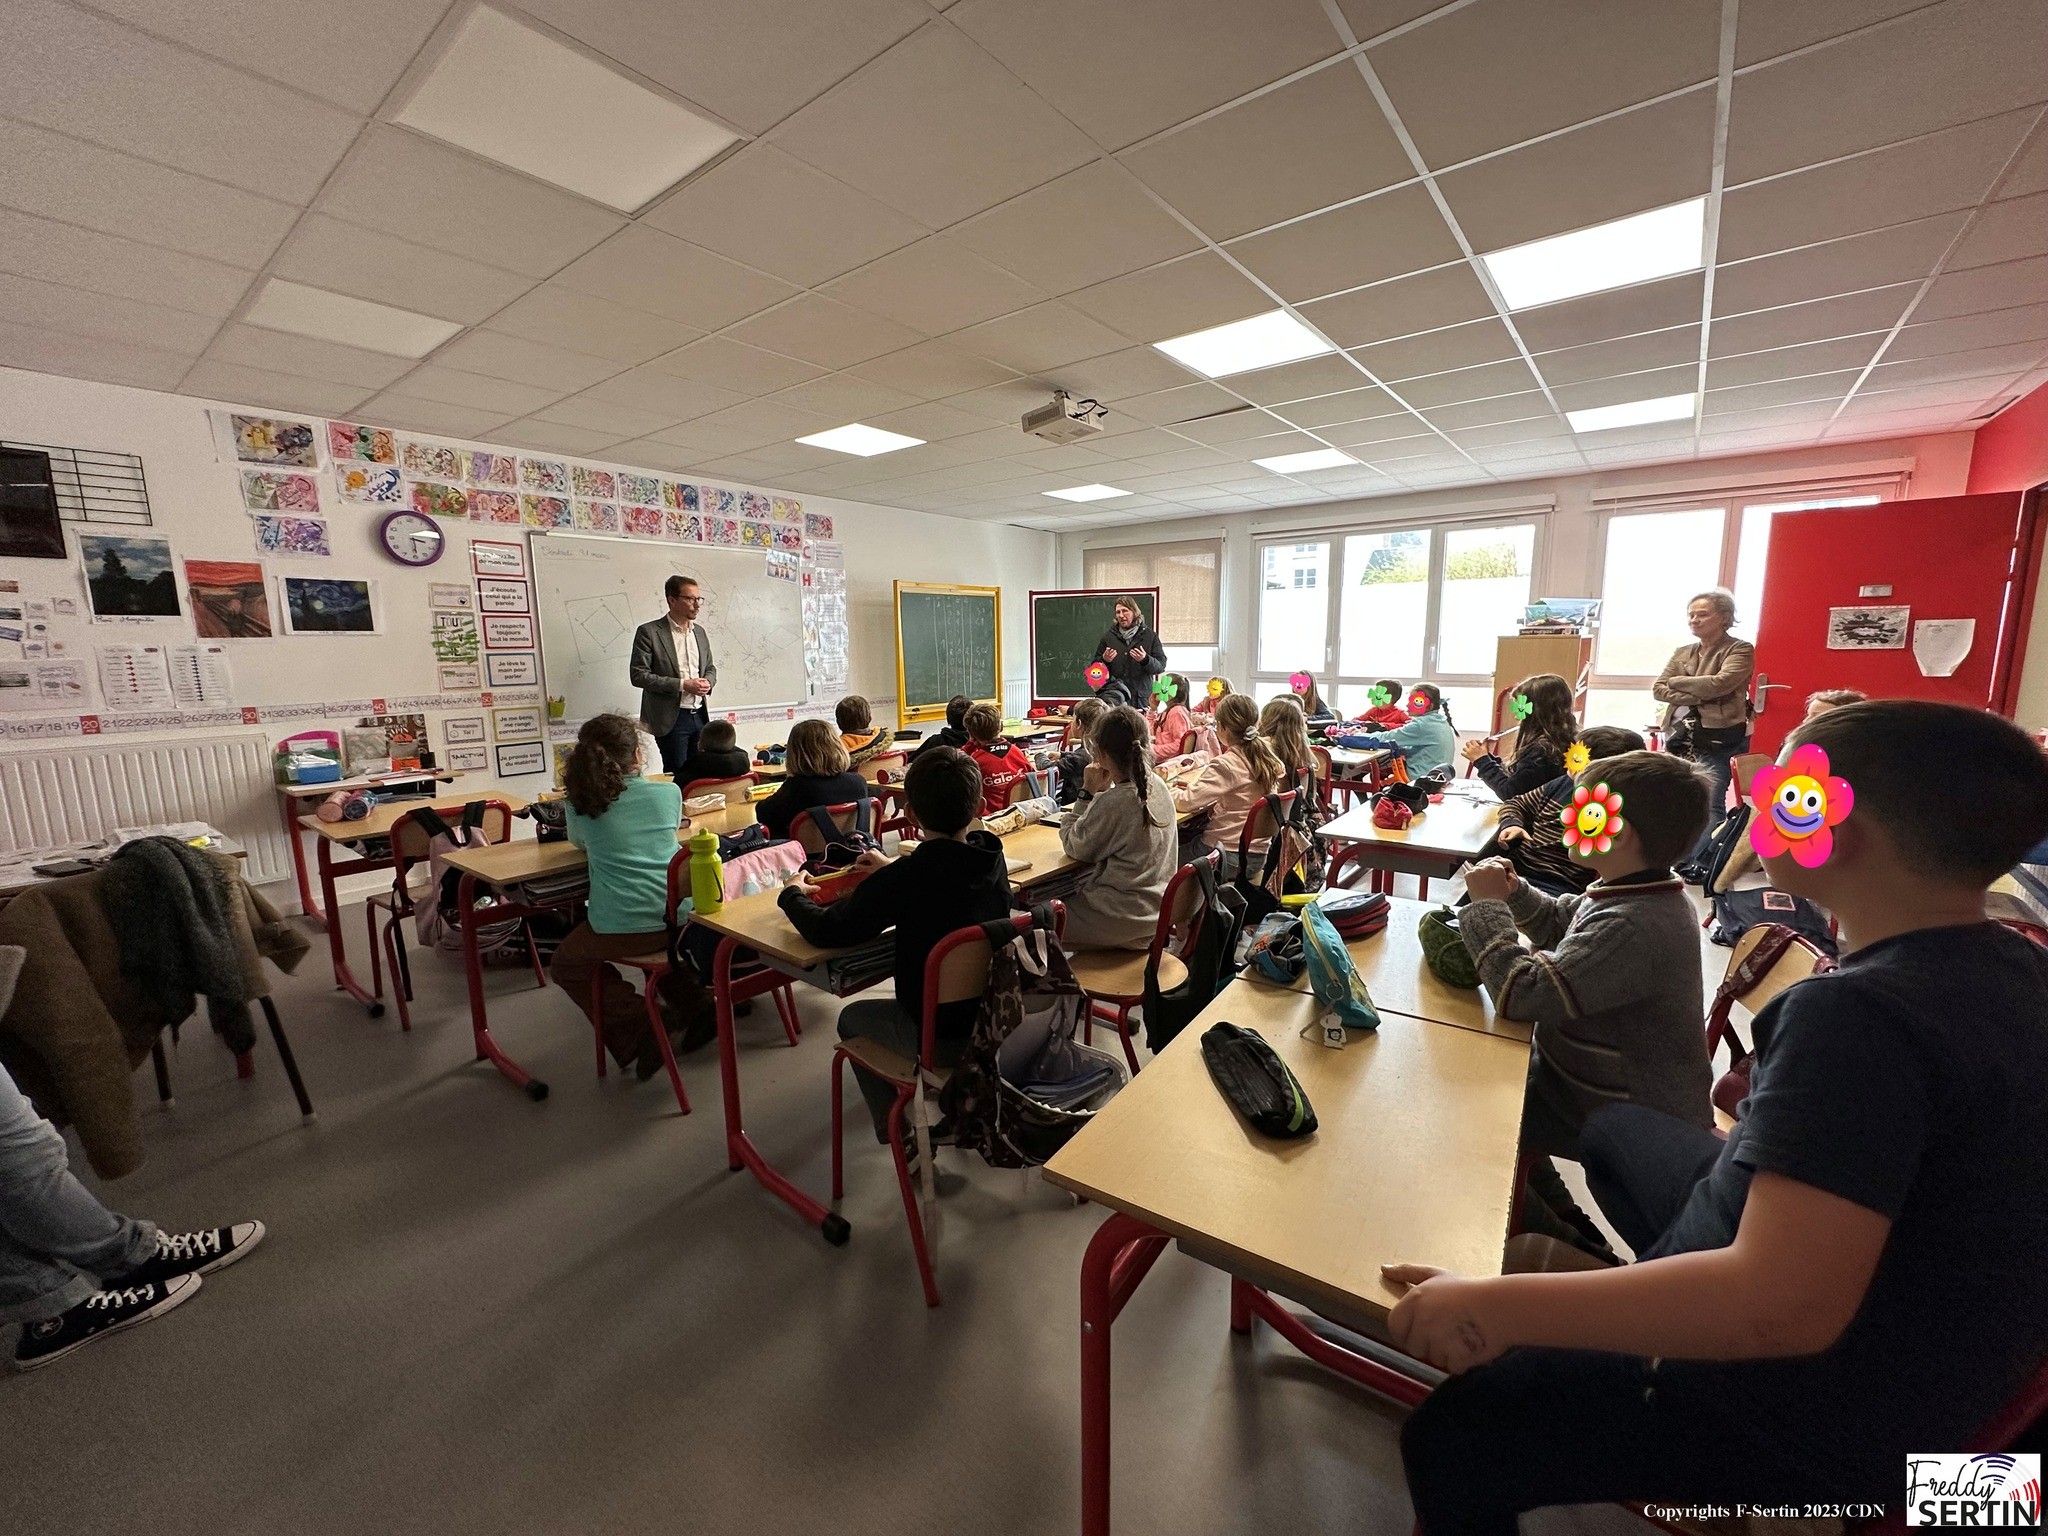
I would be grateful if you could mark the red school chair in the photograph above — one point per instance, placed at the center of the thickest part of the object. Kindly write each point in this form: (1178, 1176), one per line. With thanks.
(1114, 979)
(652, 967)
(955, 971)
(737, 791)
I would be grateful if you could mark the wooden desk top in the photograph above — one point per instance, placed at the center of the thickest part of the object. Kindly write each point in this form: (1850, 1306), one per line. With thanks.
(1400, 980)
(365, 781)
(383, 818)
(757, 922)
(1041, 845)
(1455, 825)
(1414, 1160)
(1346, 757)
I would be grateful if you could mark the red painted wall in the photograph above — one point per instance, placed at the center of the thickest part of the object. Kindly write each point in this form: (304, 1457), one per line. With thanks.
(2011, 452)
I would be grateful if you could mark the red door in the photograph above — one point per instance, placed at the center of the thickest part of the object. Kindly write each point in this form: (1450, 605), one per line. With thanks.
(1949, 558)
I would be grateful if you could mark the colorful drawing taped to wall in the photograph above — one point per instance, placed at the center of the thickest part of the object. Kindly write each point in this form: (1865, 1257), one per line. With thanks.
(643, 522)
(687, 527)
(597, 516)
(681, 496)
(431, 461)
(545, 512)
(786, 509)
(494, 469)
(548, 476)
(817, 526)
(754, 504)
(440, 500)
(594, 484)
(376, 485)
(721, 530)
(755, 535)
(320, 606)
(268, 490)
(268, 440)
(640, 490)
(782, 566)
(128, 576)
(499, 507)
(454, 636)
(372, 445)
(229, 599)
(292, 536)
(712, 499)
(788, 536)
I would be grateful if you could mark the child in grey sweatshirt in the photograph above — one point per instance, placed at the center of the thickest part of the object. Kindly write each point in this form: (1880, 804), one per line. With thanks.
(1126, 829)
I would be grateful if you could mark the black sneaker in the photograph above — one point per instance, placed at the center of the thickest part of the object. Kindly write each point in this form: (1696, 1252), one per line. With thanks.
(100, 1314)
(195, 1253)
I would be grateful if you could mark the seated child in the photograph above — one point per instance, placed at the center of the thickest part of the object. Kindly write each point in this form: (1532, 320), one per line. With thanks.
(857, 730)
(1427, 741)
(1831, 698)
(1174, 719)
(716, 754)
(1126, 831)
(1386, 712)
(818, 775)
(1540, 744)
(1285, 730)
(1530, 834)
(1206, 702)
(626, 827)
(954, 732)
(1238, 777)
(1072, 763)
(1613, 985)
(951, 878)
(1313, 709)
(1860, 1271)
(1001, 761)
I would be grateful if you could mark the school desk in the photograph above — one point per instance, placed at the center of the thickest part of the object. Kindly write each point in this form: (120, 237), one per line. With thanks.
(1434, 846)
(293, 799)
(1413, 1161)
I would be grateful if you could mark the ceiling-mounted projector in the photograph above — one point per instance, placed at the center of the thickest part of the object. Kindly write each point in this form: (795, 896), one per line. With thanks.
(1066, 420)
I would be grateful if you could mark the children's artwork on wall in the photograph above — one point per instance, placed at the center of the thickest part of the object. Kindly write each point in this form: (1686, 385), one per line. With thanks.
(490, 558)
(783, 566)
(508, 632)
(319, 605)
(640, 490)
(454, 635)
(755, 535)
(755, 504)
(597, 516)
(230, 600)
(788, 536)
(785, 509)
(642, 522)
(273, 440)
(520, 758)
(498, 507)
(450, 594)
(680, 497)
(267, 490)
(377, 485)
(711, 499)
(431, 461)
(128, 576)
(545, 512)
(291, 536)
(493, 596)
(468, 728)
(818, 526)
(437, 500)
(548, 476)
(491, 469)
(372, 445)
(721, 530)
(511, 669)
(686, 526)
(594, 484)
(1881, 628)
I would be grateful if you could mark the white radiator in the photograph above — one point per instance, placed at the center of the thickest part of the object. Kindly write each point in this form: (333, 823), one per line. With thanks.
(73, 795)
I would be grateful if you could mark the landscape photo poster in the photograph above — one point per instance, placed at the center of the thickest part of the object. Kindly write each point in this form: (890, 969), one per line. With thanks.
(128, 576)
(322, 605)
(230, 599)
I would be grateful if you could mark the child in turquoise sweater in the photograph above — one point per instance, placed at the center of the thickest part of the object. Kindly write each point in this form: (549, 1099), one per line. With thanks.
(1428, 741)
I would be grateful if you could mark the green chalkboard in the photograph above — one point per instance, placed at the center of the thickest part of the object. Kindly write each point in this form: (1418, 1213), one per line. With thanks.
(1064, 629)
(948, 641)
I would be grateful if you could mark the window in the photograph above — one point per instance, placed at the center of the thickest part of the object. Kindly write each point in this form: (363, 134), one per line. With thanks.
(1294, 615)
(1486, 586)
(1186, 574)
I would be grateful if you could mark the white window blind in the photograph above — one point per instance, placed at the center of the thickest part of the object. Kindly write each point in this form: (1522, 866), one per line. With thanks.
(1186, 574)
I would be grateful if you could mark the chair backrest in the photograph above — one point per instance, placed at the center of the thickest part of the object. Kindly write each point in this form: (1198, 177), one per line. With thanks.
(678, 886)
(1799, 961)
(1742, 770)
(1181, 908)
(957, 968)
(880, 769)
(1189, 740)
(1261, 825)
(1326, 768)
(736, 791)
(805, 830)
(1021, 790)
(411, 839)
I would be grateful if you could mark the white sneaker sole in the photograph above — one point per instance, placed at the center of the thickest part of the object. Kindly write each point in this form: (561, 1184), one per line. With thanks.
(237, 1253)
(176, 1293)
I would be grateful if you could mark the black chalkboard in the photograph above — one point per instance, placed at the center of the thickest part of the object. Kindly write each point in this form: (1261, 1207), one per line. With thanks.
(948, 641)
(1064, 629)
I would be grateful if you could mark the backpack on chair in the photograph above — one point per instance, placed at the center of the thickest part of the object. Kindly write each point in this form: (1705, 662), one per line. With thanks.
(1210, 961)
(437, 919)
(841, 845)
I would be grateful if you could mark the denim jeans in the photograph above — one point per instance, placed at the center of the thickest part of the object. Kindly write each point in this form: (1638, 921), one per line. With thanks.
(58, 1244)
(680, 740)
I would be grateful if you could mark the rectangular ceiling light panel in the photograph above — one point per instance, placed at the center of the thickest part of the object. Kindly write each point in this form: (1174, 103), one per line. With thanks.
(514, 95)
(1263, 341)
(1297, 463)
(336, 317)
(1612, 255)
(1634, 413)
(1087, 493)
(862, 440)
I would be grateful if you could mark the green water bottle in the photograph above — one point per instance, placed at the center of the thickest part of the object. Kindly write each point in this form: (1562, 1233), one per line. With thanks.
(707, 872)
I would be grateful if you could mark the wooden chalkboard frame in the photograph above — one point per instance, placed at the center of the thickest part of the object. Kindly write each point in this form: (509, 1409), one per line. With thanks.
(1039, 697)
(908, 714)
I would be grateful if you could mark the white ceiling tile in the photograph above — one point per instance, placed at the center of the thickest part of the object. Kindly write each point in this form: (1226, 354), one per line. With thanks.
(2029, 172)
(765, 421)
(754, 64)
(78, 183)
(1850, 314)
(85, 258)
(1937, 174)
(1142, 65)
(934, 286)
(499, 356)
(1044, 336)
(1884, 256)
(1304, 380)
(1649, 158)
(394, 408)
(419, 190)
(90, 357)
(1791, 362)
(736, 366)
(276, 391)
(1998, 328)
(1482, 410)
(1793, 391)
(2005, 231)
(645, 269)
(648, 453)
(1541, 434)
(81, 74)
(1427, 301)
(453, 386)
(776, 213)
(1001, 405)
(822, 331)
(1981, 362)
(1765, 31)
(594, 415)
(933, 370)
(936, 128)
(1979, 289)
(1655, 384)
(1964, 396)
(1082, 228)
(1501, 71)
(1244, 425)
(1118, 375)
(562, 317)
(553, 436)
(1381, 430)
(1190, 294)
(844, 398)
(306, 357)
(1317, 141)
(647, 388)
(369, 264)
(1385, 236)
(1942, 65)
(1332, 410)
(1187, 402)
(1657, 306)
(1458, 346)
(74, 310)
(1625, 354)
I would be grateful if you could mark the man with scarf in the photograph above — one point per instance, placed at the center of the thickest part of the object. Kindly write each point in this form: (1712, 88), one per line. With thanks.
(1131, 650)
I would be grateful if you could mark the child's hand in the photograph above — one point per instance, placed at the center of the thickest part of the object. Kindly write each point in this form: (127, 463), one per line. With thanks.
(803, 882)
(871, 859)
(1509, 835)
(1493, 880)
(1095, 778)
(1438, 1320)
(1472, 750)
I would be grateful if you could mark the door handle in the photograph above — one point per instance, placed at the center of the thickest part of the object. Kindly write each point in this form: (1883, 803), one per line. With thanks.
(1762, 689)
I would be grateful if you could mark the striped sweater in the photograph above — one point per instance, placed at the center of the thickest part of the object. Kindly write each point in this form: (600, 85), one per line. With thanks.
(1542, 855)
(1613, 987)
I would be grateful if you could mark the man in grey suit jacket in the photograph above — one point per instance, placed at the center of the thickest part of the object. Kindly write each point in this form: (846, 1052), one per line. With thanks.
(673, 669)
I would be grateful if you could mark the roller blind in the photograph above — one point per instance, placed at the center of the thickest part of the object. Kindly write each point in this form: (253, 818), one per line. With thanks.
(1186, 574)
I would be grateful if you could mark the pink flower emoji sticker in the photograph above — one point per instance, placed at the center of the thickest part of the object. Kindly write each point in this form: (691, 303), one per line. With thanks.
(1592, 821)
(1798, 807)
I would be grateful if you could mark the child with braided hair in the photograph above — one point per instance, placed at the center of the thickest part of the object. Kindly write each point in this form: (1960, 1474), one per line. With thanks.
(1125, 829)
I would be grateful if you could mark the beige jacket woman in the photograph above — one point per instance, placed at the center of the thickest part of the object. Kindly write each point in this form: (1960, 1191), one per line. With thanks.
(1711, 681)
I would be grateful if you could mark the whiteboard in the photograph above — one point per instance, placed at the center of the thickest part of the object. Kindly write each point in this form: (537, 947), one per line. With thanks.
(592, 593)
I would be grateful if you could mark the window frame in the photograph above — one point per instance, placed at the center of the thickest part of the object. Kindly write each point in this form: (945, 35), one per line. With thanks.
(1153, 550)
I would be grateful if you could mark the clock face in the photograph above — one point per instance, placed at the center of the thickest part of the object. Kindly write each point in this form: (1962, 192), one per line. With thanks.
(412, 538)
